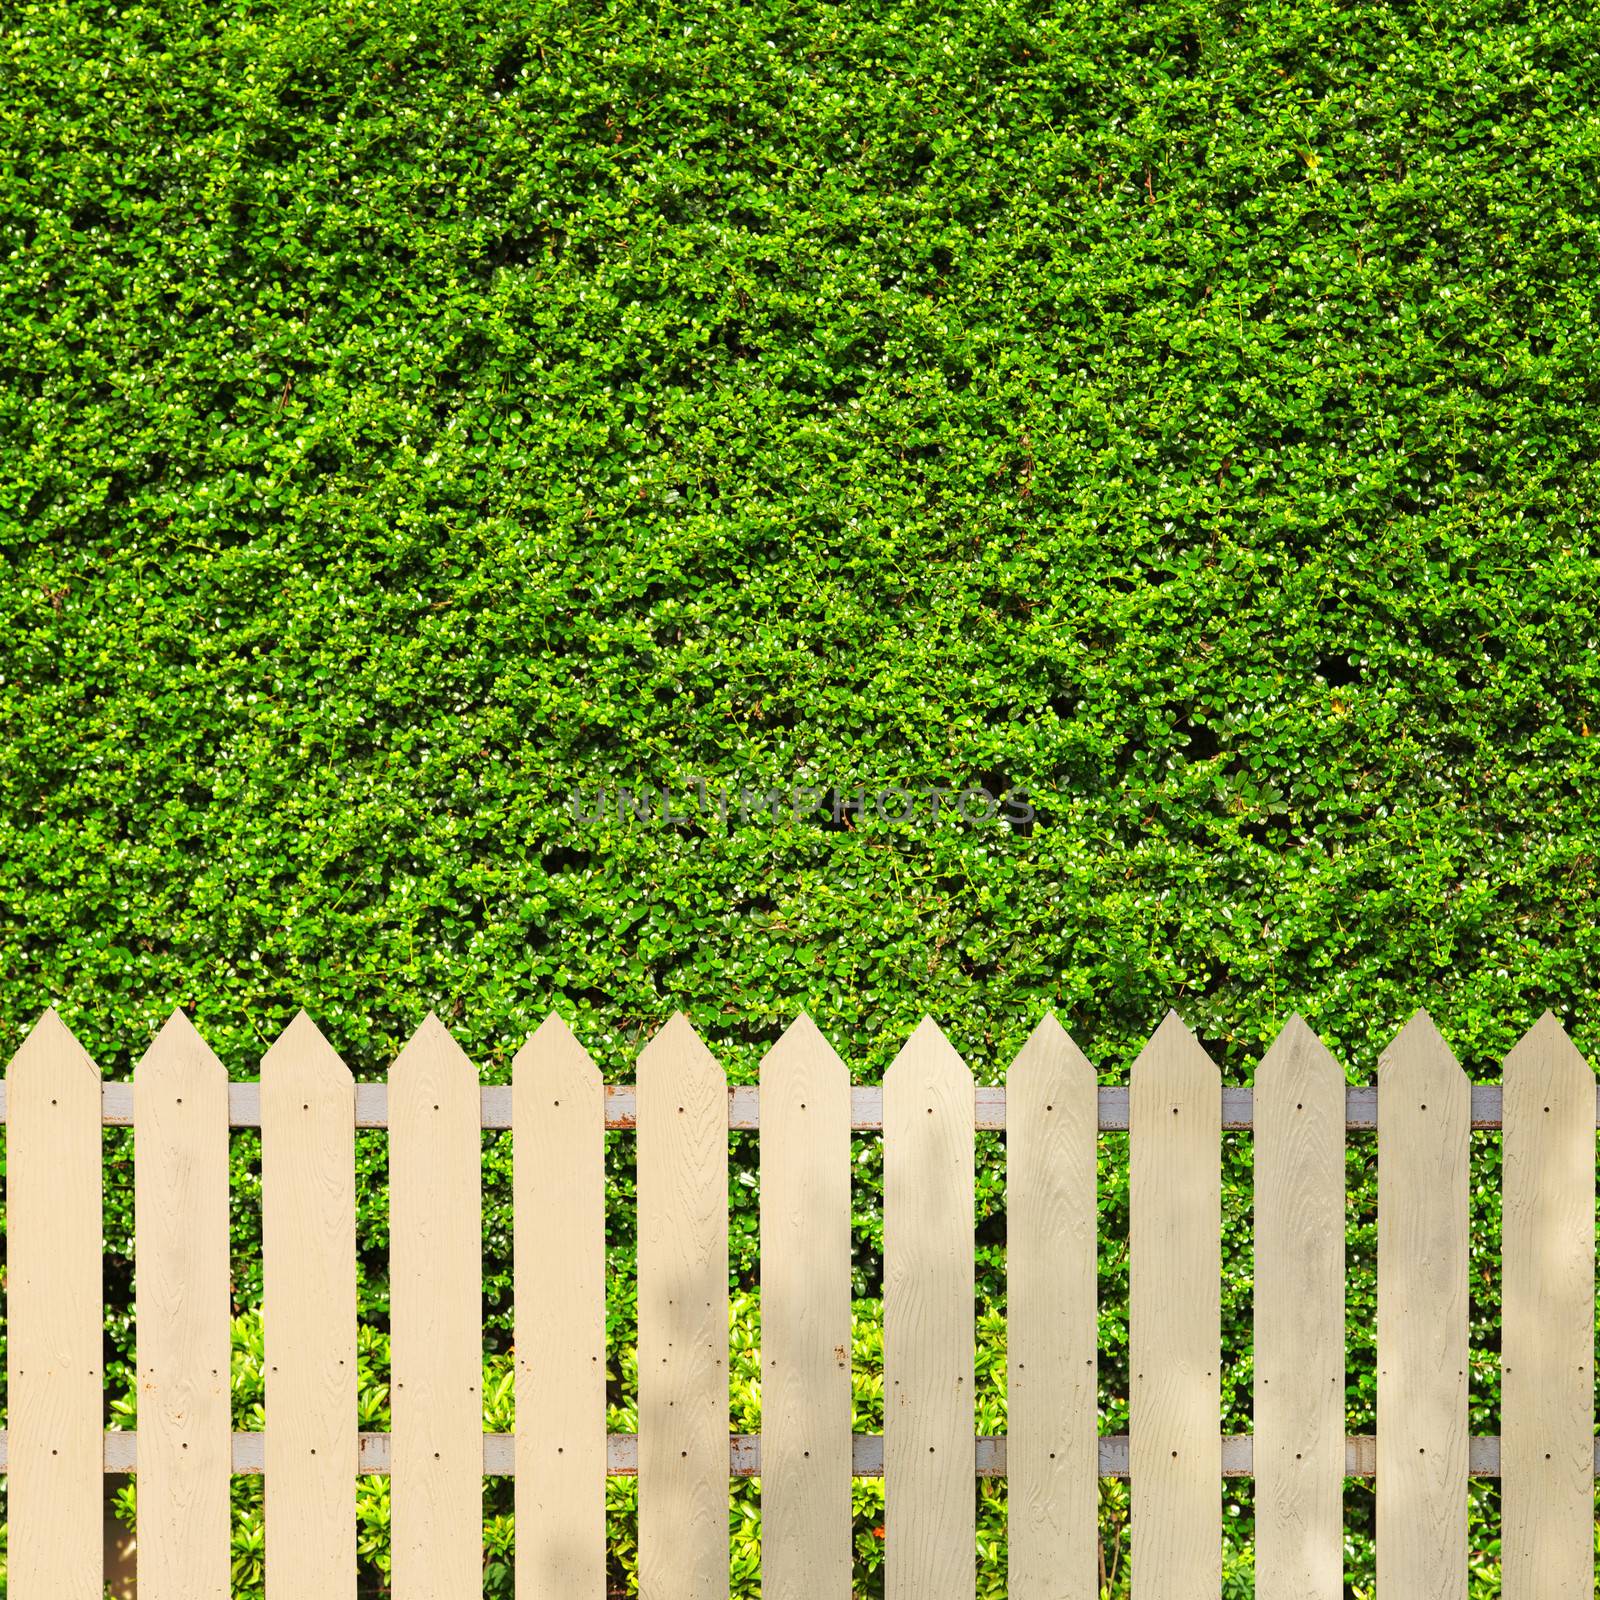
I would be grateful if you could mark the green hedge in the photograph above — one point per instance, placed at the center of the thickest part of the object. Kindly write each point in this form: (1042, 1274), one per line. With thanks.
(416, 410)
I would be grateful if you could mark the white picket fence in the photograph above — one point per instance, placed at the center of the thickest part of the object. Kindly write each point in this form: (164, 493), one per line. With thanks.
(181, 1106)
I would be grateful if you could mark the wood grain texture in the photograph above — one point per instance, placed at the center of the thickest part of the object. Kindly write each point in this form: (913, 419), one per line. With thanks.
(559, 1227)
(436, 1339)
(1052, 1452)
(1547, 1331)
(683, 1319)
(182, 1303)
(1175, 1317)
(53, 1317)
(928, 1330)
(805, 1319)
(1424, 1112)
(1299, 1320)
(308, 1240)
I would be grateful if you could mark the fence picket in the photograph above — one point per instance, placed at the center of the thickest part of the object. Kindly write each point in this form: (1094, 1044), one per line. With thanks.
(558, 1221)
(436, 1339)
(1052, 1452)
(180, 1189)
(1175, 1317)
(308, 1239)
(928, 1331)
(805, 1319)
(1547, 1335)
(1424, 1123)
(53, 1317)
(1299, 1320)
(683, 1318)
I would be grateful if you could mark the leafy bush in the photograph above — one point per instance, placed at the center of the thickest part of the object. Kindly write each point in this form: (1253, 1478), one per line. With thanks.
(414, 411)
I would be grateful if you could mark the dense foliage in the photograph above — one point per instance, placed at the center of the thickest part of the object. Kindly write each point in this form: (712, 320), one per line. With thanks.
(415, 411)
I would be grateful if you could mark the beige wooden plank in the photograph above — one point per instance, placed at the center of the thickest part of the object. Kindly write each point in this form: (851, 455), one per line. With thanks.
(1175, 1317)
(1299, 1319)
(308, 1242)
(436, 1332)
(1424, 1114)
(805, 1319)
(1547, 1332)
(928, 1332)
(1052, 1455)
(683, 1319)
(559, 1224)
(182, 1306)
(53, 1317)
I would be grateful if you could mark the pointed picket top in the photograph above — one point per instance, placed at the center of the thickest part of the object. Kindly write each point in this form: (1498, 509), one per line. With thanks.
(300, 1033)
(51, 1048)
(432, 1029)
(1172, 1028)
(1298, 1053)
(1418, 1054)
(553, 1054)
(432, 1050)
(178, 1052)
(1050, 1052)
(675, 1030)
(803, 1048)
(801, 1058)
(677, 1052)
(552, 1035)
(927, 1057)
(1548, 1049)
(300, 1055)
(1175, 1055)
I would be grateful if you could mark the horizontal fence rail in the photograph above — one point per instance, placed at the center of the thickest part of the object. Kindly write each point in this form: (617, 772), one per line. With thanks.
(744, 1455)
(744, 1107)
(433, 1110)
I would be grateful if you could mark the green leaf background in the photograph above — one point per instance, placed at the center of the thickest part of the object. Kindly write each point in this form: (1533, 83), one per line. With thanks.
(416, 410)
